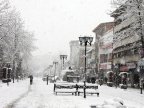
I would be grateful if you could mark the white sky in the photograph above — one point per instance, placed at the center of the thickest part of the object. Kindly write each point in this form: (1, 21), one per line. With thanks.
(57, 22)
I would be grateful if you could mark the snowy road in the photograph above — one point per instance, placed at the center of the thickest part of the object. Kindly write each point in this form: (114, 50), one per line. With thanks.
(42, 96)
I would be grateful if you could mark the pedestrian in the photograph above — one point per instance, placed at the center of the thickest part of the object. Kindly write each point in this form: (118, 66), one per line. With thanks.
(100, 81)
(31, 79)
(93, 79)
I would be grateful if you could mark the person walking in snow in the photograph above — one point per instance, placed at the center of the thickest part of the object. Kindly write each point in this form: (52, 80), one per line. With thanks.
(31, 79)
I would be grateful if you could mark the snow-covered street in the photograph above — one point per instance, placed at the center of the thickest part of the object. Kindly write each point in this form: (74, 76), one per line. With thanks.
(71, 54)
(39, 95)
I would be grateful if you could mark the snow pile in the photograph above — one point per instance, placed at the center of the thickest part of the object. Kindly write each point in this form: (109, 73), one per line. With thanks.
(112, 103)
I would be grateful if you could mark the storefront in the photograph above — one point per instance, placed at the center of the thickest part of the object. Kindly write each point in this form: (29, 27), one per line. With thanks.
(133, 75)
(104, 68)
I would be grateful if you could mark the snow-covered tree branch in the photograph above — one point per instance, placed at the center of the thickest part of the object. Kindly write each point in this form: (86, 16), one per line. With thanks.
(14, 39)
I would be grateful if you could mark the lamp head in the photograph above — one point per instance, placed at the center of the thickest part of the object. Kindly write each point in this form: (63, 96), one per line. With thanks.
(90, 39)
(63, 56)
(81, 40)
(85, 40)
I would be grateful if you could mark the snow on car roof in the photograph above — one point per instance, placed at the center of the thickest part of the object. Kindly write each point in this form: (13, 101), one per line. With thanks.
(123, 73)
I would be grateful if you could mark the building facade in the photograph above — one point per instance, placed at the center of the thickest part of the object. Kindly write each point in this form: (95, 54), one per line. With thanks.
(104, 42)
(127, 42)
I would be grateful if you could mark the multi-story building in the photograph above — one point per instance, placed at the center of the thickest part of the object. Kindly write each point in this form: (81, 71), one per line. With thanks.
(103, 48)
(77, 55)
(127, 40)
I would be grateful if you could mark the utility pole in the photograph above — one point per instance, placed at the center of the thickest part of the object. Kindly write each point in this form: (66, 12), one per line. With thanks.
(85, 41)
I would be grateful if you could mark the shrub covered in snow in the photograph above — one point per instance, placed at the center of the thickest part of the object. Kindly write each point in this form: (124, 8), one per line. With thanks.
(112, 103)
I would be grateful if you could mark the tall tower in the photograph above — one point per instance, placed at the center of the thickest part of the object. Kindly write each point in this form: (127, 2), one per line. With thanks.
(74, 53)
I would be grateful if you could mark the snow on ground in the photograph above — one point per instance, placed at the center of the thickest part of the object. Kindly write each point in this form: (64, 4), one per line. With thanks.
(41, 95)
(131, 97)
(10, 93)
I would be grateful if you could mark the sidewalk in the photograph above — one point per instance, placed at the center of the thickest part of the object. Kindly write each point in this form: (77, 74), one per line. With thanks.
(42, 96)
(129, 88)
(10, 93)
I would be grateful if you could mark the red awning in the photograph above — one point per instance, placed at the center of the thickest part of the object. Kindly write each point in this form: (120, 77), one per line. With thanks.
(124, 68)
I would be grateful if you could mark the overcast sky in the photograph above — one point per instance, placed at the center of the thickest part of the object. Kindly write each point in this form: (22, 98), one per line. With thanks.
(57, 22)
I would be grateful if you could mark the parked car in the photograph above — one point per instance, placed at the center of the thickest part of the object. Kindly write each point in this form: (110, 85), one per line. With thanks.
(124, 76)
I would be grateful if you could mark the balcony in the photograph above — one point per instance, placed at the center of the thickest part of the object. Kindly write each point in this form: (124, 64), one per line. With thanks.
(124, 24)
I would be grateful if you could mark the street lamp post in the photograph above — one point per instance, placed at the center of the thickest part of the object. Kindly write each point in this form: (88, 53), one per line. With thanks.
(50, 67)
(85, 40)
(55, 63)
(63, 57)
